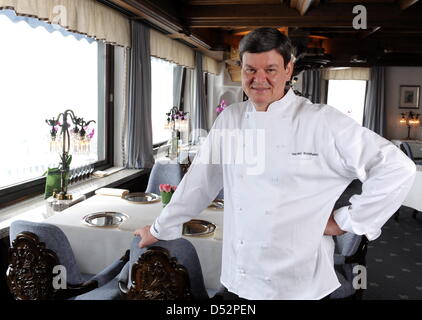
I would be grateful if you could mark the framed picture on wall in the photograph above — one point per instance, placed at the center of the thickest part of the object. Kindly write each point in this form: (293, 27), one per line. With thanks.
(409, 97)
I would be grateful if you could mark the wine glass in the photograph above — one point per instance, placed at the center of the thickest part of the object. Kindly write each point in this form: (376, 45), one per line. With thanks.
(71, 176)
(78, 174)
(91, 169)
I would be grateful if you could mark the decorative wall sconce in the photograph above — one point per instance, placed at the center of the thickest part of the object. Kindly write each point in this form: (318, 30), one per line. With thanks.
(409, 119)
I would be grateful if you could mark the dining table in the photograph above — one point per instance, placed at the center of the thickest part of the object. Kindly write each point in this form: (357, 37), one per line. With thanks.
(96, 247)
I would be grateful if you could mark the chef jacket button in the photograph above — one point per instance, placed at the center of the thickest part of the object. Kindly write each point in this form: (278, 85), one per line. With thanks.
(241, 242)
(267, 279)
(267, 212)
(240, 210)
(264, 246)
(275, 180)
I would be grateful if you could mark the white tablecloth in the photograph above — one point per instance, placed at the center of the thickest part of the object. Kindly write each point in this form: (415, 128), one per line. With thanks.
(95, 247)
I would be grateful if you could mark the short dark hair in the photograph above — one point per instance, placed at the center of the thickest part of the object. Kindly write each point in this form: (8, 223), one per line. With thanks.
(266, 39)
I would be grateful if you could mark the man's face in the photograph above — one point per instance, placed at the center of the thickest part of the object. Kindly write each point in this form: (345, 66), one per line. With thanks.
(264, 77)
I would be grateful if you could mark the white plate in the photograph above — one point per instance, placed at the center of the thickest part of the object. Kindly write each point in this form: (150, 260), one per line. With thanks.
(106, 219)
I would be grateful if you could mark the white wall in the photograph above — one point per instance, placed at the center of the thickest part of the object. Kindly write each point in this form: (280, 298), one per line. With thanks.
(396, 76)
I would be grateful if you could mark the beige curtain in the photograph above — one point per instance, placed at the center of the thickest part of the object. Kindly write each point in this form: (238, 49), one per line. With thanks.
(87, 17)
(165, 48)
(210, 65)
(346, 74)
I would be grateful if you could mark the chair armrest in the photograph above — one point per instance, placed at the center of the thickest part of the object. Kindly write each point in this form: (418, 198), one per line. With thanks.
(76, 290)
(123, 279)
(111, 271)
(339, 259)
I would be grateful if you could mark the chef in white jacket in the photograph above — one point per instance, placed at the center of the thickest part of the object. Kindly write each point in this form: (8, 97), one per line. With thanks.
(283, 162)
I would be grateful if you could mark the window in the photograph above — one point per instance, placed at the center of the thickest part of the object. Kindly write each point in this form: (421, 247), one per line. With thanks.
(161, 98)
(348, 96)
(44, 73)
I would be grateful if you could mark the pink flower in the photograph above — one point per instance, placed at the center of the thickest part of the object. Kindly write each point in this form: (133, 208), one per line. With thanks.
(91, 134)
(165, 187)
(221, 107)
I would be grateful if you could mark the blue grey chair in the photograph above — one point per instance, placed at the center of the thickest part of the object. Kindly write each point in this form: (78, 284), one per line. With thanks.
(407, 149)
(220, 194)
(165, 271)
(164, 173)
(350, 250)
(36, 248)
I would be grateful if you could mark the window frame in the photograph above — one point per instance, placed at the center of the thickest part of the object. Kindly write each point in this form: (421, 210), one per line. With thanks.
(157, 145)
(34, 187)
(327, 88)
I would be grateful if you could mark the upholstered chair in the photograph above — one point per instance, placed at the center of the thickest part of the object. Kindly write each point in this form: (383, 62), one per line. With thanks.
(167, 270)
(407, 149)
(350, 250)
(220, 194)
(164, 173)
(42, 266)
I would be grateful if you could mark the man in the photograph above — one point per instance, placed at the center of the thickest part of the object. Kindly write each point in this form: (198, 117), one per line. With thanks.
(278, 218)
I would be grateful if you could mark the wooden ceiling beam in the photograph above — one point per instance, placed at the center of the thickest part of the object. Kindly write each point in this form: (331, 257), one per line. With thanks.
(232, 2)
(144, 11)
(366, 34)
(333, 15)
(302, 6)
(404, 4)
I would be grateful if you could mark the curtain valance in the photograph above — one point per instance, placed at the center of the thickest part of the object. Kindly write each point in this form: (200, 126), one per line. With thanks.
(165, 48)
(346, 74)
(86, 17)
(210, 65)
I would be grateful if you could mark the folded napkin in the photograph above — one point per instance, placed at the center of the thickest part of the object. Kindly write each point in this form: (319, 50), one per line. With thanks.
(105, 173)
(100, 174)
(112, 192)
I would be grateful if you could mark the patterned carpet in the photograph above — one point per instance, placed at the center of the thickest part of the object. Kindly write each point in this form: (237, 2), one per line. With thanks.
(394, 260)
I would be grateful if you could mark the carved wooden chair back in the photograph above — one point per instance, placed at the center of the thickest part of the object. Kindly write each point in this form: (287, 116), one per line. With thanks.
(30, 272)
(169, 270)
(158, 276)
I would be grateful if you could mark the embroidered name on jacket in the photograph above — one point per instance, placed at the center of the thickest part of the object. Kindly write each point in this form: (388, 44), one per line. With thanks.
(305, 154)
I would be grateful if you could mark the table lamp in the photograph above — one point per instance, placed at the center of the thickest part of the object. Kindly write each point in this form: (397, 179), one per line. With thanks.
(61, 141)
(409, 119)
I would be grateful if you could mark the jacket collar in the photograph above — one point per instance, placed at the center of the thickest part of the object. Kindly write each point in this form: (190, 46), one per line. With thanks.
(280, 106)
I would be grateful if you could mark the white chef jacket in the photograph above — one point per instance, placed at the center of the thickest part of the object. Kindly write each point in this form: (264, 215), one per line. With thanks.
(289, 167)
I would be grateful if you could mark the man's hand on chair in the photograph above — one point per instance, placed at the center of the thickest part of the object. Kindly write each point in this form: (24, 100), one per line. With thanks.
(147, 238)
(332, 228)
